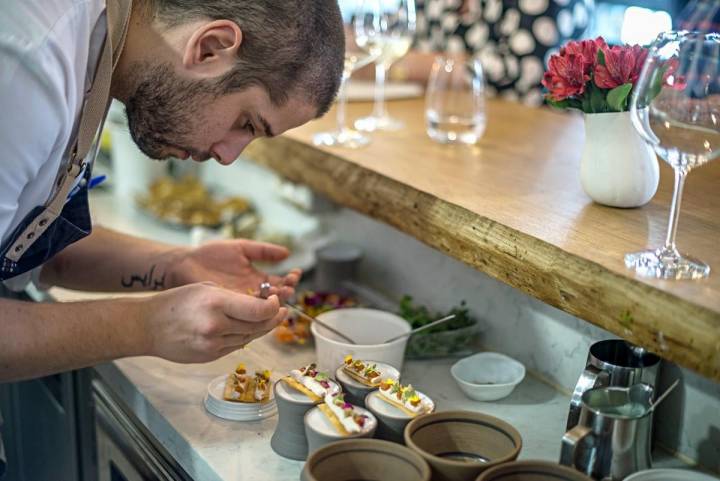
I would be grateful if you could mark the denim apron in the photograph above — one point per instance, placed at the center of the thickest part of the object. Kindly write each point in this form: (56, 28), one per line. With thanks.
(65, 217)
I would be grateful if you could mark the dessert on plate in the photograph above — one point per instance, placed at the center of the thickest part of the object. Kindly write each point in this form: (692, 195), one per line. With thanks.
(244, 388)
(362, 371)
(311, 382)
(405, 398)
(345, 417)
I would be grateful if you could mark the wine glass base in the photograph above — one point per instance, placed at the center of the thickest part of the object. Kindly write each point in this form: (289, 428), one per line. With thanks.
(349, 138)
(372, 124)
(666, 264)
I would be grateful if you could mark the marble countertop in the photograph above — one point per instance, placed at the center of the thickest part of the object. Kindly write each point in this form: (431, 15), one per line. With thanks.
(168, 399)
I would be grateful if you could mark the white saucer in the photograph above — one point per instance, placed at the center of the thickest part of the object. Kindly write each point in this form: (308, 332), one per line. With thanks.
(235, 411)
(266, 412)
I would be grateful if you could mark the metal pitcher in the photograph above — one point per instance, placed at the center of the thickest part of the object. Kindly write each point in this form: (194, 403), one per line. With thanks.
(612, 439)
(613, 362)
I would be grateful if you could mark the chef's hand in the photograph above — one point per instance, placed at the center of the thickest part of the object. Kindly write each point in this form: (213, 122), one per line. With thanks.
(230, 264)
(202, 322)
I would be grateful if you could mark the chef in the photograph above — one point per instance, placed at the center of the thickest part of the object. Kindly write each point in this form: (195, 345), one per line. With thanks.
(199, 79)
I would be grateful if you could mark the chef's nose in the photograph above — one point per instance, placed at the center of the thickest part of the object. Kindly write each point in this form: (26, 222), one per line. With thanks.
(229, 148)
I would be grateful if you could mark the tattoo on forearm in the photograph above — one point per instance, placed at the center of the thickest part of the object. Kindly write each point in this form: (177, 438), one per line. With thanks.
(148, 281)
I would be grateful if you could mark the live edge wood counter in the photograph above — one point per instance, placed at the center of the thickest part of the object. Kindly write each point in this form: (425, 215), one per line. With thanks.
(513, 208)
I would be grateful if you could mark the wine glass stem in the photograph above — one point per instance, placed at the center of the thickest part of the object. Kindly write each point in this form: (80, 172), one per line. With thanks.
(680, 176)
(380, 75)
(342, 102)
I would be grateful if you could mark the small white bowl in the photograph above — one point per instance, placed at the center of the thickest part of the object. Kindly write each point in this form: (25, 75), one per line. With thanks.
(488, 376)
(369, 328)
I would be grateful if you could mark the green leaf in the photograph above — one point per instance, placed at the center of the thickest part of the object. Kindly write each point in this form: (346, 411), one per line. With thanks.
(597, 100)
(617, 97)
(601, 57)
(558, 104)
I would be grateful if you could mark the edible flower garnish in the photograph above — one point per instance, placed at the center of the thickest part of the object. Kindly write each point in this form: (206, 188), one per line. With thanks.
(387, 384)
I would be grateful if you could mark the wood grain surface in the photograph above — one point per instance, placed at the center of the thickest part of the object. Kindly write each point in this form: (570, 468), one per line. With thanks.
(513, 208)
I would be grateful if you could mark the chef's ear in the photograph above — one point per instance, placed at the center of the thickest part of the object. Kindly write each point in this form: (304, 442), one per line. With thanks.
(212, 49)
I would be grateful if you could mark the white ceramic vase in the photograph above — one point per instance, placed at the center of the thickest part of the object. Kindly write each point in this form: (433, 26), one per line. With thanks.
(618, 168)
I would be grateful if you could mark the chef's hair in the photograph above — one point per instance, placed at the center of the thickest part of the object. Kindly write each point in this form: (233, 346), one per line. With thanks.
(290, 47)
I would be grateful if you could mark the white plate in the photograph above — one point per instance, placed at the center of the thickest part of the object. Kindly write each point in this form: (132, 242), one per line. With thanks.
(240, 408)
(386, 369)
(320, 423)
(377, 404)
(364, 91)
(234, 416)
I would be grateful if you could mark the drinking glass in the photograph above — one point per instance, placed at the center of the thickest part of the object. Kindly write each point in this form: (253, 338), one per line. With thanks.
(387, 26)
(676, 109)
(455, 101)
(356, 57)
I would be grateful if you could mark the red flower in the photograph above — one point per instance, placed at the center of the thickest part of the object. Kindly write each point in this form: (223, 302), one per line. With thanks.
(565, 77)
(569, 70)
(623, 64)
(587, 49)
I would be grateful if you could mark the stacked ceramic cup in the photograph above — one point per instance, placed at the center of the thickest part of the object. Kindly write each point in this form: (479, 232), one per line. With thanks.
(289, 438)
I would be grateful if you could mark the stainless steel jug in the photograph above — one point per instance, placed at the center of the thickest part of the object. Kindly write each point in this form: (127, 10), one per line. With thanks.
(613, 362)
(613, 436)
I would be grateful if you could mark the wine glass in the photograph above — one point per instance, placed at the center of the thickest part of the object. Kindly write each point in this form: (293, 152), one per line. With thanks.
(356, 57)
(388, 27)
(676, 109)
(455, 101)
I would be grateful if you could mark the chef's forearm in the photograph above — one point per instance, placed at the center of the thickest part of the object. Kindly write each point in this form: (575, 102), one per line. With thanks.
(108, 261)
(42, 339)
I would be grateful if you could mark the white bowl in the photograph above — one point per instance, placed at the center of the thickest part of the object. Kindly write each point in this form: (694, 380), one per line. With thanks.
(369, 328)
(670, 475)
(487, 376)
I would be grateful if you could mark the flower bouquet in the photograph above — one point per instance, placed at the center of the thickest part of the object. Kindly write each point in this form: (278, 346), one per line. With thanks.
(593, 77)
(618, 168)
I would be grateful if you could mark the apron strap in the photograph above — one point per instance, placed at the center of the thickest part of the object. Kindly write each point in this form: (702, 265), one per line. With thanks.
(95, 107)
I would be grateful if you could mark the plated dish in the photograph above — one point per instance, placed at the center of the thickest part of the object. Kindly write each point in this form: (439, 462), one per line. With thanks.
(312, 383)
(404, 398)
(296, 329)
(244, 388)
(186, 203)
(346, 418)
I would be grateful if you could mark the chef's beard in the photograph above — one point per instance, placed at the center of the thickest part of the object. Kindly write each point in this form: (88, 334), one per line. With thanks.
(164, 108)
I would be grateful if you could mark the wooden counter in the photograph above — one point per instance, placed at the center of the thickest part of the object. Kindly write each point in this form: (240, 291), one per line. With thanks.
(513, 207)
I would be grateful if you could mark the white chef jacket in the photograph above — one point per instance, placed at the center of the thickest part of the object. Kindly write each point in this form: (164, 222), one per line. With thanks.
(48, 53)
(45, 52)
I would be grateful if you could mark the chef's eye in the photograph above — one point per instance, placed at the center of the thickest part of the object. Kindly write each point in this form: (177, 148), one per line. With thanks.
(250, 128)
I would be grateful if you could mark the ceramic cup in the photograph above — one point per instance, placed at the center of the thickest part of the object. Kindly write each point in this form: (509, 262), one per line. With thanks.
(370, 328)
(391, 420)
(459, 445)
(355, 391)
(319, 431)
(289, 439)
(532, 471)
(365, 459)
